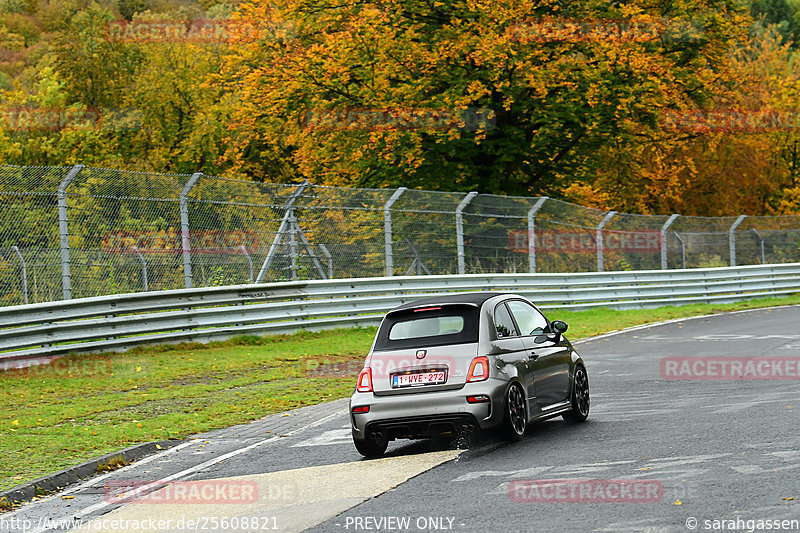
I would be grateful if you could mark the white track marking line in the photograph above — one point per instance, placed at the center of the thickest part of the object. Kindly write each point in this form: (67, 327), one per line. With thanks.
(674, 320)
(161, 482)
(135, 464)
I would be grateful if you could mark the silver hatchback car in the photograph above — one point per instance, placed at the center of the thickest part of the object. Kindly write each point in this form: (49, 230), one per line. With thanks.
(446, 365)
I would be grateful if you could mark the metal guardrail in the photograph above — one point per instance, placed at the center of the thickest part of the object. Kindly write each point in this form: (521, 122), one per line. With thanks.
(119, 322)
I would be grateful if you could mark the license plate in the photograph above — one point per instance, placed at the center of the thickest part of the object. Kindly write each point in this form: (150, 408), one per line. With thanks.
(417, 379)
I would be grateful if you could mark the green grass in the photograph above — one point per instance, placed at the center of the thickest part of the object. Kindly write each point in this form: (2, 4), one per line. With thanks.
(81, 407)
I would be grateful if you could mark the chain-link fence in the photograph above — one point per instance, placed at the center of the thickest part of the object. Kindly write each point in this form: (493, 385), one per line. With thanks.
(68, 232)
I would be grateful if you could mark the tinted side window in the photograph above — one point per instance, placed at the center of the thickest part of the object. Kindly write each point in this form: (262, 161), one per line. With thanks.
(530, 321)
(503, 324)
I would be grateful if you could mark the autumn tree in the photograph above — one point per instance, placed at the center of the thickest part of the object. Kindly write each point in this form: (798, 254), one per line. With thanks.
(735, 153)
(563, 82)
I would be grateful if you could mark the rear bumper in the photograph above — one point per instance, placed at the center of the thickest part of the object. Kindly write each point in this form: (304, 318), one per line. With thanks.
(428, 414)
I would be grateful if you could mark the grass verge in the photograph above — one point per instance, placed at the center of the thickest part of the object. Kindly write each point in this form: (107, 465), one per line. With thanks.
(84, 406)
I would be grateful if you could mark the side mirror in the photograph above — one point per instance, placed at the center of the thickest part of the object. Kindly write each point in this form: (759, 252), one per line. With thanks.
(552, 332)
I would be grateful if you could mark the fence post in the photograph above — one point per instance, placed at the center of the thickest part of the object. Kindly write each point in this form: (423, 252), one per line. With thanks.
(186, 242)
(144, 267)
(24, 271)
(243, 250)
(288, 217)
(329, 257)
(63, 230)
(664, 229)
(460, 229)
(600, 227)
(293, 244)
(732, 238)
(387, 229)
(760, 245)
(532, 233)
(683, 248)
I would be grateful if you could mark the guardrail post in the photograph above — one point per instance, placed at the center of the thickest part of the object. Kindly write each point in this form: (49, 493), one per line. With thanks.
(24, 272)
(144, 267)
(760, 245)
(186, 241)
(63, 230)
(664, 229)
(732, 238)
(460, 229)
(532, 233)
(600, 227)
(387, 229)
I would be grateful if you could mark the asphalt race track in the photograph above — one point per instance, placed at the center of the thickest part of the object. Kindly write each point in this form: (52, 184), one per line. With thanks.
(656, 455)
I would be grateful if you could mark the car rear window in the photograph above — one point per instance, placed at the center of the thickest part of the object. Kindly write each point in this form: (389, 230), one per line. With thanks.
(426, 327)
(430, 326)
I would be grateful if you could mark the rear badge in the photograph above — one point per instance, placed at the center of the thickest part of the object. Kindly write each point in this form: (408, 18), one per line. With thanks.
(421, 354)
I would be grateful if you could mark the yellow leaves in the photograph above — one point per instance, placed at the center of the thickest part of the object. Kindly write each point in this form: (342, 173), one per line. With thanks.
(477, 90)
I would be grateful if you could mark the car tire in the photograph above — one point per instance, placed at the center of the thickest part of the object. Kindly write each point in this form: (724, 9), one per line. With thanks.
(371, 448)
(580, 397)
(516, 415)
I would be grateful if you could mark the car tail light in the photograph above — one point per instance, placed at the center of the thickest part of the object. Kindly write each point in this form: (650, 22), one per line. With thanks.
(481, 398)
(478, 369)
(364, 383)
(361, 409)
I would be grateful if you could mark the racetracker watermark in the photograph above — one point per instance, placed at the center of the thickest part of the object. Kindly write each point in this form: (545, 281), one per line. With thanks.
(198, 31)
(634, 30)
(43, 119)
(244, 524)
(211, 492)
(731, 120)
(708, 368)
(169, 241)
(59, 368)
(379, 119)
(425, 370)
(586, 491)
(322, 369)
(583, 242)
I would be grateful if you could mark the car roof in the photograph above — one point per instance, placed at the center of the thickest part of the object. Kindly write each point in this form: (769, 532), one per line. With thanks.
(469, 298)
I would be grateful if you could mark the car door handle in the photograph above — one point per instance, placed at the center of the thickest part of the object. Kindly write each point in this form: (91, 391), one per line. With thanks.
(533, 356)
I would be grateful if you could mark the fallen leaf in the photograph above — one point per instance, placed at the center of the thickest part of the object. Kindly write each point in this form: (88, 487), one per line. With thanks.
(678, 502)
